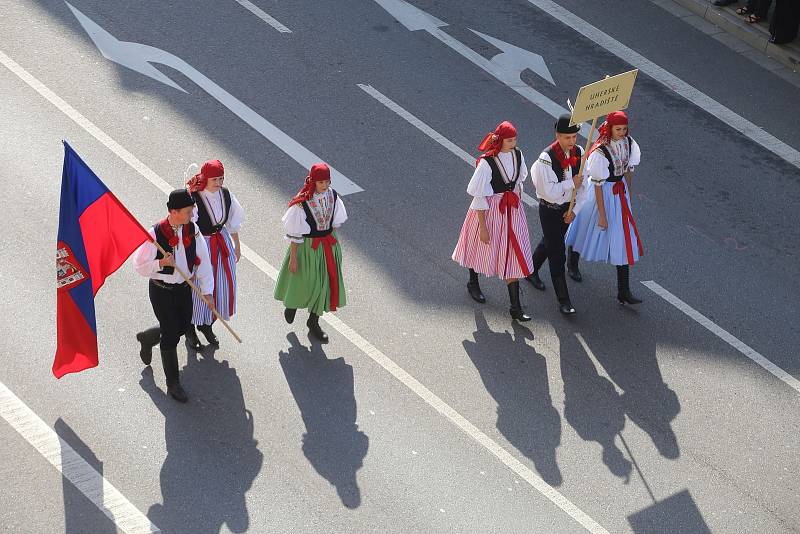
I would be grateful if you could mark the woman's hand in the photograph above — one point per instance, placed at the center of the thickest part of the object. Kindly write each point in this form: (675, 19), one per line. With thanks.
(484, 234)
(293, 264)
(602, 222)
(238, 254)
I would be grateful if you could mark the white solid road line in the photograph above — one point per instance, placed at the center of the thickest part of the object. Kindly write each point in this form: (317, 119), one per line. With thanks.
(430, 132)
(670, 81)
(69, 463)
(258, 12)
(724, 335)
(365, 346)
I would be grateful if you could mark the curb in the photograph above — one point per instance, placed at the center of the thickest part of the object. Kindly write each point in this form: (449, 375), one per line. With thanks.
(755, 35)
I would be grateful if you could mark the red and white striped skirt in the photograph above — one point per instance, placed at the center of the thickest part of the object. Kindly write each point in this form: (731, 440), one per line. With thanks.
(502, 257)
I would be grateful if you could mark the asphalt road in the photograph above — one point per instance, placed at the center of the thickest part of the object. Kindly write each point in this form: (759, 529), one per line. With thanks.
(641, 420)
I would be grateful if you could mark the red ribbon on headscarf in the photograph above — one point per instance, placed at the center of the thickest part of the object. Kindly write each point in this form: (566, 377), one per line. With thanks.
(508, 202)
(217, 245)
(627, 221)
(615, 118)
(319, 172)
(493, 142)
(333, 275)
(211, 169)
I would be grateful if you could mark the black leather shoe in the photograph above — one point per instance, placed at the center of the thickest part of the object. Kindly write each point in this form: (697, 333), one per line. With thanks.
(148, 339)
(723, 3)
(289, 314)
(176, 392)
(476, 293)
(566, 308)
(575, 273)
(562, 294)
(534, 279)
(519, 315)
(191, 338)
(315, 330)
(628, 299)
(208, 333)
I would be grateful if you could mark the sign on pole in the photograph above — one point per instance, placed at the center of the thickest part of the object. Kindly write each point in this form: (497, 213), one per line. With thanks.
(603, 97)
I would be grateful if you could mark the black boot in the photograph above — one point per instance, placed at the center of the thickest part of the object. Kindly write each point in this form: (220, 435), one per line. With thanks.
(516, 308)
(314, 329)
(208, 333)
(539, 257)
(572, 265)
(534, 279)
(191, 338)
(474, 288)
(562, 294)
(289, 314)
(169, 359)
(149, 339)
(624, 295)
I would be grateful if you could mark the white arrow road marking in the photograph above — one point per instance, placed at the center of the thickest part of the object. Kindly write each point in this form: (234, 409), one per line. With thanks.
(430, 132)
(670, 81)
(72, 466)
(258, 12)
(507, 67)
(724, 335)
(138, 57)
(430, 398)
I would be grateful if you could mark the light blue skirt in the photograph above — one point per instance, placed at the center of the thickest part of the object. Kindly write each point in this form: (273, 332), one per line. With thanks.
(609, 246)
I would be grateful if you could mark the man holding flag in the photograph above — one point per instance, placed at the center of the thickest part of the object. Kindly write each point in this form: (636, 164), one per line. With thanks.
(170, 293)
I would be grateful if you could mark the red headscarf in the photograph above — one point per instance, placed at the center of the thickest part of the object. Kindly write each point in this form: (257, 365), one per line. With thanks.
(211, 169)
(493, 142)
(615, 118)
(319, 172)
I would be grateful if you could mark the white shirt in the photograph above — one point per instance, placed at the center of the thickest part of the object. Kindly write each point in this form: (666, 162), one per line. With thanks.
(549, 189)
(480, 185)
(294, 220)
(215, 205)
(146, 264)
(597, 164)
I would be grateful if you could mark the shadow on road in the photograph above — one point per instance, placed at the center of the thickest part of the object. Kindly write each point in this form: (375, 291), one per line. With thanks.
(323, 390)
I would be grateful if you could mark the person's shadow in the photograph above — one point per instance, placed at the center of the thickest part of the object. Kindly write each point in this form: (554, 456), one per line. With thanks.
(516, 376)
(323, 390)
(212, 456)
(596, 407)
(592, 405)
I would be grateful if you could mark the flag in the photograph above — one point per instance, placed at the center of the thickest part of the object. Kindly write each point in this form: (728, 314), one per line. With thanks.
(96, 234)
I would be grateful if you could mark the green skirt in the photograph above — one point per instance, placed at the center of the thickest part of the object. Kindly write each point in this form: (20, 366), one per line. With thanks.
(310, 286)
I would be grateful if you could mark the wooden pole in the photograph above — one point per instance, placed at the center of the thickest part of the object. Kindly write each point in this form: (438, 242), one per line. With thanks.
(197, 290)
(583, 162)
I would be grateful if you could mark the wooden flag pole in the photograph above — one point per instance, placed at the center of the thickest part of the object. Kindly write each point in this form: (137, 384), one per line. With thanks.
(197, 290)
(583, 162)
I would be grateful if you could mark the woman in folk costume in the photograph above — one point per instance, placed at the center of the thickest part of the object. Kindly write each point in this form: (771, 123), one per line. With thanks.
(311, 274)
(494, 239)
(219, 216)
(604, 229)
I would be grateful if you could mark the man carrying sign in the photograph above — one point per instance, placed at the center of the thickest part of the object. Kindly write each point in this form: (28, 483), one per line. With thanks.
(604, 230)
(556, 175)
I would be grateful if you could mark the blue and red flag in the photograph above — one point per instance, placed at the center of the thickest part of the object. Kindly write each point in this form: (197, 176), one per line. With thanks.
(96, 234)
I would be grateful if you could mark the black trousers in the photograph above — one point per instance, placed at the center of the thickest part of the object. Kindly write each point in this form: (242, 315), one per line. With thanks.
(173, 309)
(552, 247)
(785, 22)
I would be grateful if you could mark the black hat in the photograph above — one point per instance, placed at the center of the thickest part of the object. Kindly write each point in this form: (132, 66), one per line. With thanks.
(180, 198)
(563, 127)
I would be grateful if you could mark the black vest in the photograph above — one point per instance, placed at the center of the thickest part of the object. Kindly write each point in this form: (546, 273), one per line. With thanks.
(498, 184)
(204, 218)
(313, 223)
(191, 250)
(556, 165)
(607, 154)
